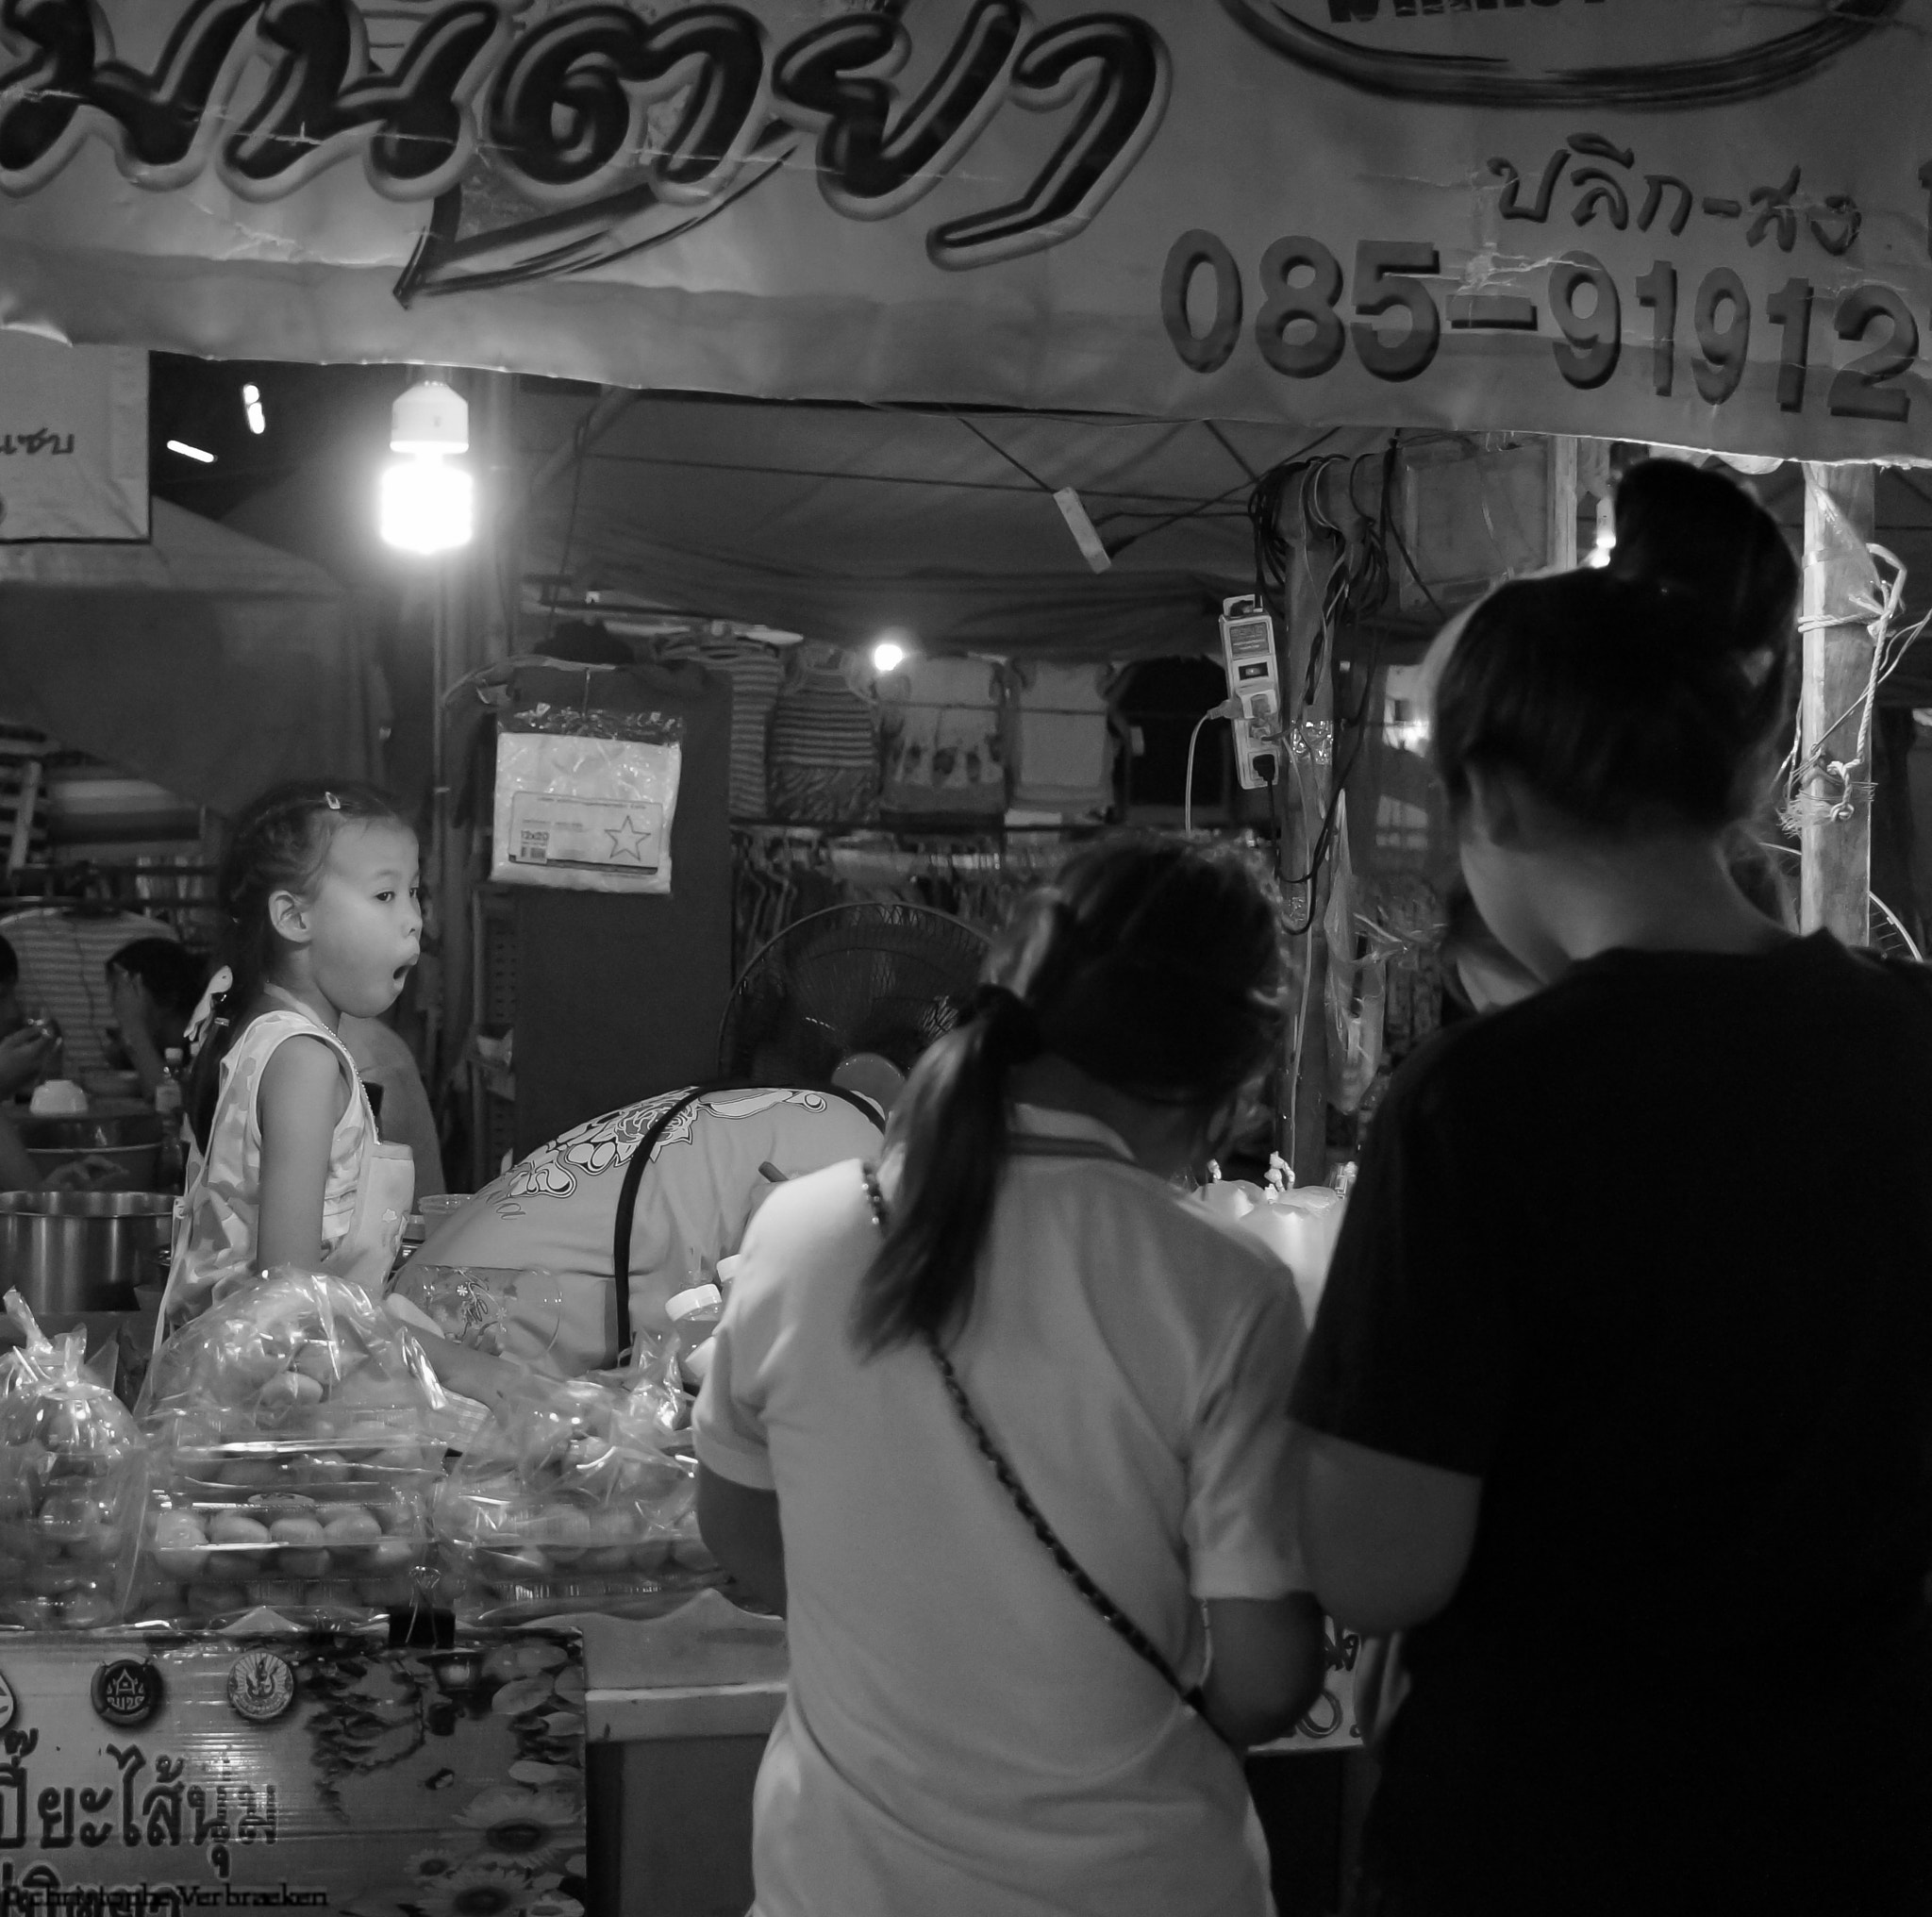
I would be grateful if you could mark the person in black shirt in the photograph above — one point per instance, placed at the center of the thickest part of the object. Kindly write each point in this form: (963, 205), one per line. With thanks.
(1619, 1399)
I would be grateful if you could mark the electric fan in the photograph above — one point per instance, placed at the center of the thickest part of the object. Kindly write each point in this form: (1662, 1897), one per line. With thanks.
(877, 977)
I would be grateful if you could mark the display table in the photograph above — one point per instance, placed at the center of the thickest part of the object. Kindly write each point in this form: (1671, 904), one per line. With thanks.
(588, 1762)
(677, 1713)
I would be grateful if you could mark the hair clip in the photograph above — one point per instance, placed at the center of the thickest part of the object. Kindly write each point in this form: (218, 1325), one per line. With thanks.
(334, 804)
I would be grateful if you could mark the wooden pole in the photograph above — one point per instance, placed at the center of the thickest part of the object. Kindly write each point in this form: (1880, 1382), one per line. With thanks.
(1561, 538)
(1835, 889)
(1304, 1121)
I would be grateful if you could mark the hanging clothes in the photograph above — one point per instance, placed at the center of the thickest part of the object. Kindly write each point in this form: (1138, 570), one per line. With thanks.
(942, 731)
(1063, 747)
(822, 761)
(757, 671)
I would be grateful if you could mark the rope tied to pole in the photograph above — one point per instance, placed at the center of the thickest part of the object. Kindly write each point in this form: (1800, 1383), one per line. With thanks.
(1821, 789)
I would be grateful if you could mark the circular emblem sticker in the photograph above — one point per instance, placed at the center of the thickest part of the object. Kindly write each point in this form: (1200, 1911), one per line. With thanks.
(262, 1686)
(126, 1693)
(6, 1703)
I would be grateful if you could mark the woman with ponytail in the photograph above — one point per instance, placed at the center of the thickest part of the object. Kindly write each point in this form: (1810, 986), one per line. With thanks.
(1001, 1424)
(1620, 1407)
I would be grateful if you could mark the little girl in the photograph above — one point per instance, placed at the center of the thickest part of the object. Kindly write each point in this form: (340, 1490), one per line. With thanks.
(320, 891)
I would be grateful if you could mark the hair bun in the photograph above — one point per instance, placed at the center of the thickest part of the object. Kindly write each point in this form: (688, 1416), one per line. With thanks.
(1686, 531)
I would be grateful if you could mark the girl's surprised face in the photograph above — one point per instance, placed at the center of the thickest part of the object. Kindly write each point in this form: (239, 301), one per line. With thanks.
(366, 918)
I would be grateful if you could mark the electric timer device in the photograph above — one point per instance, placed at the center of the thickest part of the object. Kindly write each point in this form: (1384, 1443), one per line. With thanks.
(1254, 684)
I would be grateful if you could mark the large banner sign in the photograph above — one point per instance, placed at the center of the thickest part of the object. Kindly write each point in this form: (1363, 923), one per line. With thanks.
(1671, 220)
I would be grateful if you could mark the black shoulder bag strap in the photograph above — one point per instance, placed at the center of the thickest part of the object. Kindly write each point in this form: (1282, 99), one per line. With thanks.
(1096, 1599)
(639, 1163)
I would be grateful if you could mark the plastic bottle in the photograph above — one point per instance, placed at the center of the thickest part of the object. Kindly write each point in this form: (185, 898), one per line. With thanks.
(171, 1166)
(694, 1316)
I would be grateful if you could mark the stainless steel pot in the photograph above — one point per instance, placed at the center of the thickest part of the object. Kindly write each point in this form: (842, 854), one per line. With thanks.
(83, 1251)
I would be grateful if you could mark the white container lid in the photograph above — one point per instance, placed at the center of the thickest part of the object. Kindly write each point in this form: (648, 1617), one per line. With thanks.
(682, 1305)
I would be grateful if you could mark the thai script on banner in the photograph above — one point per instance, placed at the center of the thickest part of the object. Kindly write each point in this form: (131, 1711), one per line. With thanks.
(564, 108)
(1634, 218)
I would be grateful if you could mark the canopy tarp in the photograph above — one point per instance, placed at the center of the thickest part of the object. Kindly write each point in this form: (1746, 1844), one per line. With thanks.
(842, 523)
(1696, 223)
(209, 664)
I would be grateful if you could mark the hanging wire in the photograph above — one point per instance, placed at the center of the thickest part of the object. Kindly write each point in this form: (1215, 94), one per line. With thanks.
(1912, 945)
(579, 458)
(1357, 584)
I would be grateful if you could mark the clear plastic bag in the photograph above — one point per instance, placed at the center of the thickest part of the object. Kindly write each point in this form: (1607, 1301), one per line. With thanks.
(573, 1498)
(297, 1436)
(498, 1312)
(585, 798)
(73, 1479)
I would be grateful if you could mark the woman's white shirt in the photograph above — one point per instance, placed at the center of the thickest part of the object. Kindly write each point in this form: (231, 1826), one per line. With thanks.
(963, 1734)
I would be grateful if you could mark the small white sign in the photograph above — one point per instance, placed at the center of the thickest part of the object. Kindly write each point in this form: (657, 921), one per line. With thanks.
(623, 835)
(73, 441)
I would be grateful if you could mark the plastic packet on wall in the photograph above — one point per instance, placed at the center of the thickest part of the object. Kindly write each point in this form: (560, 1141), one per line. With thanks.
(585, 798)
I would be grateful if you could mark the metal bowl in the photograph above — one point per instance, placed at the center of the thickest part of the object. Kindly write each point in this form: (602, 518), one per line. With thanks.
(121, 1133)
(108, 1126)
(83, 1251)
(111, 1168)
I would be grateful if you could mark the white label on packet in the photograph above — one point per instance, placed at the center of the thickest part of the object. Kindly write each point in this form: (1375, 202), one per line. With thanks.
(624, 835)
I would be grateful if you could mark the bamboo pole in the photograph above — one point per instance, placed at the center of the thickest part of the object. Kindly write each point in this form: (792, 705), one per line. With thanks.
(1834, 837)
(1562, 535)
(1307, 781)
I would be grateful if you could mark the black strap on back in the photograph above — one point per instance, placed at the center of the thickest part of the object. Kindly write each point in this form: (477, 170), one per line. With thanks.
(640, 1162)
(1103, 1607)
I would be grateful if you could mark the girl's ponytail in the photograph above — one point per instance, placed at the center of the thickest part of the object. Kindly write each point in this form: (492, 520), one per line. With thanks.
(1153, 967)
(205, 1074)
(951, 1124)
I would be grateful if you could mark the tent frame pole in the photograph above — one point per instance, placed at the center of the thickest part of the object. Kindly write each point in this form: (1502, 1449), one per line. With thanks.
(1835, 835)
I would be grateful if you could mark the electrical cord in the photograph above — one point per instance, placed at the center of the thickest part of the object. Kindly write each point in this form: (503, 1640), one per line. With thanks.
(1230, 708)
(579, 457)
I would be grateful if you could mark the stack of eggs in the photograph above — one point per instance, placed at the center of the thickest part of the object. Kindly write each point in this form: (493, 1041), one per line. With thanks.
(299, 1439)
(72, 1474)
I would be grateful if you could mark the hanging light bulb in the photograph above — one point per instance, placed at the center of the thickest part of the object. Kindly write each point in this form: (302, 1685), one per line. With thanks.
(888, 656)
(1606, 535)
(427, 504)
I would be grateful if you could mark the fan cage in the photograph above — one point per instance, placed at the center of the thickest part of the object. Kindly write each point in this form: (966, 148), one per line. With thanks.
(874, 977)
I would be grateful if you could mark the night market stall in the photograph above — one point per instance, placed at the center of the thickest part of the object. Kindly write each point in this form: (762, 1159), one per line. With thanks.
(1016, 341)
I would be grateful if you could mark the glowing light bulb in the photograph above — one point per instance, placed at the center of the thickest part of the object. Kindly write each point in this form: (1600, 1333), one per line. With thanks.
(426, 503)
(428, 506)
(251, 405)
(187, 452)
(888, 656)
